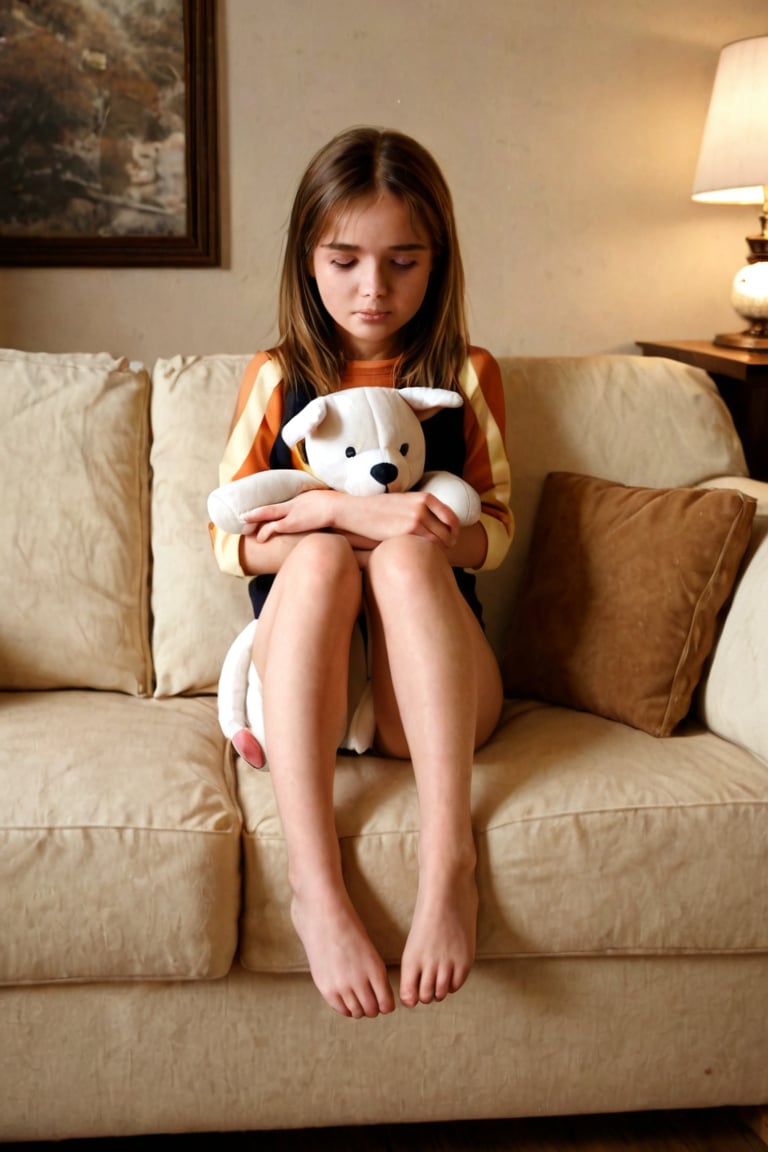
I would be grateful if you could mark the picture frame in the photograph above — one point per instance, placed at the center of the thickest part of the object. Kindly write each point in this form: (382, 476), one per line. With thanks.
(118, 165)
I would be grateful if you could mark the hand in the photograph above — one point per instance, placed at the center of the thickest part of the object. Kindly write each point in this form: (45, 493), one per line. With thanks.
(307, 512)
(365, 520)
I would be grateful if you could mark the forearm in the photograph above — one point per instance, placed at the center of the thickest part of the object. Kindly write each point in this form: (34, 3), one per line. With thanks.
(364, 520)
(259, 558)
(470, 549)
(371, 517)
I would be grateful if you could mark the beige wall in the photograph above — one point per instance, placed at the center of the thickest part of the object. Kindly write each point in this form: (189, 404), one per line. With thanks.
(568, 131)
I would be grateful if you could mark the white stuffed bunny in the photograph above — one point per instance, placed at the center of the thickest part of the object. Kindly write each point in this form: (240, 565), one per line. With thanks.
(364, 441)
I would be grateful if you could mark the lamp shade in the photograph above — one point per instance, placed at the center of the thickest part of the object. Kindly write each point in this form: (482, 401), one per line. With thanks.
(733, 161)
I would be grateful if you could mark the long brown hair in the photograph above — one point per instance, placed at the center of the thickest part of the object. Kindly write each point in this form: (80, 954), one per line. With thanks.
(353, 165)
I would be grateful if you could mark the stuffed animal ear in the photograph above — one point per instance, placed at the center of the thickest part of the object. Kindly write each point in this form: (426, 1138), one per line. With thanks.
(305, 421)
(425, 402)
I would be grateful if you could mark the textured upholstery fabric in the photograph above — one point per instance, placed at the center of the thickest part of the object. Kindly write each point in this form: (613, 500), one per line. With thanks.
(735, 688)
(623, 941)
(593, 839)
(522, 1038)
(119, 840)
(565, 413)
(636, 420)
(197, 611)
(621, 595)
(74, 523)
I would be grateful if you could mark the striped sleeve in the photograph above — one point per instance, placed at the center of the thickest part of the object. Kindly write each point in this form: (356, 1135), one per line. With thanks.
(487, 467)
(255, 427)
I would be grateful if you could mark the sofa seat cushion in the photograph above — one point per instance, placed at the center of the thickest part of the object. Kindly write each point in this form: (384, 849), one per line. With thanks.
(119, 840)
(593, 839)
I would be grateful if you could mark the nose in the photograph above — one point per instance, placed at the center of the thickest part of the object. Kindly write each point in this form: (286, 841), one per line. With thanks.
(373, 281)
(384, 473)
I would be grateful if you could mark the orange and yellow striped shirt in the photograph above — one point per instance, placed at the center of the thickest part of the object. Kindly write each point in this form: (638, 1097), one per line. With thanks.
(468, 441)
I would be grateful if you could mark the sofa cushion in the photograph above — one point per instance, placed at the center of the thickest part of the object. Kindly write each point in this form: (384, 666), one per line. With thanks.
(593, 839)
(119, 840)
(735, 685)
(643, 421)
(197, 611)
(620, 598)
(590, 414)
(74, 523)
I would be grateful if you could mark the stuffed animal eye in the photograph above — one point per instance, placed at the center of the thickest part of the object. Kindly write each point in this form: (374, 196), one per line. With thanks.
(404, 449)
(350, 452)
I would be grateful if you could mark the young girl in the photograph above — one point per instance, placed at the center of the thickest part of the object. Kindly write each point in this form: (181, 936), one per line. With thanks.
(372, 293)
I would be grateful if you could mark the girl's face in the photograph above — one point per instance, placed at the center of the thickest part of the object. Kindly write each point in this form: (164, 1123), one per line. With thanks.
(372, 267)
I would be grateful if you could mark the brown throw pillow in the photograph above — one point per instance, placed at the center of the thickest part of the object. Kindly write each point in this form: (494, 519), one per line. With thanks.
(620, 596)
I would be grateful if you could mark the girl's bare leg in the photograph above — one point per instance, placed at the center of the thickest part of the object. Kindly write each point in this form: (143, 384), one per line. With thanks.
(302, 653)
(438, 695)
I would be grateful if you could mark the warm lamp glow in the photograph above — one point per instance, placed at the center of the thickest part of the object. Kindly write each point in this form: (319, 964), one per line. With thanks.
(733, 169)
(733, 161)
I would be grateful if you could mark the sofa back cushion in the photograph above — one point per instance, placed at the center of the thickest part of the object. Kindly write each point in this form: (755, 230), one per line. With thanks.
(636, 420)
(197, 610)
(74, 523)
(640, 421)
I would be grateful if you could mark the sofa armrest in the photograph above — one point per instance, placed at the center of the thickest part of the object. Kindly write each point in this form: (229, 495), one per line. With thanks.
(758, 489)
(733, 695)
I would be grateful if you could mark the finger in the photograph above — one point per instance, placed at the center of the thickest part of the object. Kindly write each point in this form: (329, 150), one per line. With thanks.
(443, 513)
(266, 512)
(440, 532)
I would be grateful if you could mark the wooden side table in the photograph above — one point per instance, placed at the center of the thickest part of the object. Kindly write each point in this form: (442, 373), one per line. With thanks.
(742, 380)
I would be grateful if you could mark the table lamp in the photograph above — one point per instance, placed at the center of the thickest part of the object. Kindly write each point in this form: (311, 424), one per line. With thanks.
(733, 169)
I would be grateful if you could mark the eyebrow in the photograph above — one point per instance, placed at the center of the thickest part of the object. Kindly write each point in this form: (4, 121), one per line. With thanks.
(340, 247)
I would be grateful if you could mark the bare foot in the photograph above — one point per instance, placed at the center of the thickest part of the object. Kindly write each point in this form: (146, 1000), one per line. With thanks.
(440, 948)
(345, 966)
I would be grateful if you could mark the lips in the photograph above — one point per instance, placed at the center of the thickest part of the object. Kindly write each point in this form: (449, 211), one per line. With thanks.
(373, 315)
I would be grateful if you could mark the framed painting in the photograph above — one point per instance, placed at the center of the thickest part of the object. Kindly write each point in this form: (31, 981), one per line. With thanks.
(108, 140)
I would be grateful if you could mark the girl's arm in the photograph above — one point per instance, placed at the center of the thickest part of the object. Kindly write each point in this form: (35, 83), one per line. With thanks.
(364, 520)
(486, 466)
(257, 558)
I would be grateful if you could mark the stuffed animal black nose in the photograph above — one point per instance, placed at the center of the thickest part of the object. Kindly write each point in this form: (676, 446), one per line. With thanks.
(384, 473)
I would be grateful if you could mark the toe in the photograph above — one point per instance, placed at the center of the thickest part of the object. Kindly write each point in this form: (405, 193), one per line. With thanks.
(409, 995)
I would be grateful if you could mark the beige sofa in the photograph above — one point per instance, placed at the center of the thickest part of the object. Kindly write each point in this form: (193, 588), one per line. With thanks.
(150, 980)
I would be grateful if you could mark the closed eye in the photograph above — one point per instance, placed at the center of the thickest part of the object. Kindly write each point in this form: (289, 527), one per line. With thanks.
(400, 265)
